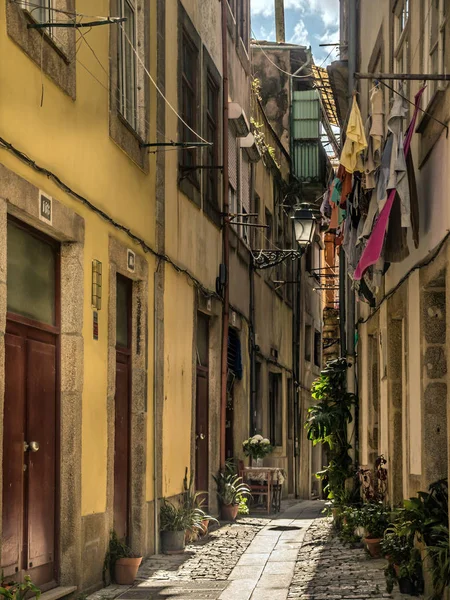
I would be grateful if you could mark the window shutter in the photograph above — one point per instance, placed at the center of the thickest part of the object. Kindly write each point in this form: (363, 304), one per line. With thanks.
(245, 183)
(232, 158)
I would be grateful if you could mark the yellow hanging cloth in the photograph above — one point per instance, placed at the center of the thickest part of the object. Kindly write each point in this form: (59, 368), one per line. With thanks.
(355, 142)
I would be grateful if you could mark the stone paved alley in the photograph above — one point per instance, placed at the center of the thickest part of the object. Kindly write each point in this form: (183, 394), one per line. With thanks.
(292, 557)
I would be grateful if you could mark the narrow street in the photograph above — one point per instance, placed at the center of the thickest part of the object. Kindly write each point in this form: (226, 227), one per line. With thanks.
(295, 556)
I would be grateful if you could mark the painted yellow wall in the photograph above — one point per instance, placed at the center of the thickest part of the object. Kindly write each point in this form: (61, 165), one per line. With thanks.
(71, 138)
(178, 374)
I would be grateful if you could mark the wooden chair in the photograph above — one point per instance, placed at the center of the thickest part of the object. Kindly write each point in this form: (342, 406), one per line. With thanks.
(257, 489)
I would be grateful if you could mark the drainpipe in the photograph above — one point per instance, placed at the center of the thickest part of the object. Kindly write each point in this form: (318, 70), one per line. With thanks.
(297, 377)
(252, 319)
(226, 247)
(155, 408)
(352, 49)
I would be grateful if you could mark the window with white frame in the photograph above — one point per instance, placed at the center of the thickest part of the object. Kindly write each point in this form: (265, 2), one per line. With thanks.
(434, 43)
(127, 64)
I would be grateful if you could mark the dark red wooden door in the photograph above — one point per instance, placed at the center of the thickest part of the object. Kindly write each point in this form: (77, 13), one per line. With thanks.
(201, 432)
(122, 408)
(29, 454)
(121, 446)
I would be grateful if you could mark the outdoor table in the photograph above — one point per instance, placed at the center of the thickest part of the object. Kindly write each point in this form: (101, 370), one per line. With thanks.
(270, 480)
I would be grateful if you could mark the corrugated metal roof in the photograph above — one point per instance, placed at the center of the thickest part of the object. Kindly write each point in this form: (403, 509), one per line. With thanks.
(322, 84)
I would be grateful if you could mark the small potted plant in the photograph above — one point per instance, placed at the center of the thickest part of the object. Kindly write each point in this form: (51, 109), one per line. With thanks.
(17, 591)
(375, 520)
(193, 502)
(174, 521)
(257, 447)
(230, 490)
(120, 561)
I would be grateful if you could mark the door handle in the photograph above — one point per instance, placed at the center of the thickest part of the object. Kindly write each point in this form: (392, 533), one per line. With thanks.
(200, 436)
(33, 446)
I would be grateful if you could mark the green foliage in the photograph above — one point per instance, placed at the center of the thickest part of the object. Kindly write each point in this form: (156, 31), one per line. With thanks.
(230, 487)
(349, 521)
(192, 504)
(173, 517)
(374, 517)
(243, 506)
(18, 591)
(116, 549)
(327, 424)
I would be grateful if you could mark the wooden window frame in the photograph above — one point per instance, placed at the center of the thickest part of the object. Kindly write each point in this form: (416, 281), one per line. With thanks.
(211, 202)
(276, 425)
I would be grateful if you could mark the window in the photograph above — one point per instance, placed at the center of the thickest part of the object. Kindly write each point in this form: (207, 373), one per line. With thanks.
(401, 36)
(127, 63)
(129, 92)
(52, 50)
(41, 10)
(309, 259)
(243, 21)
(308, 332)
(256, 231)
(317, 348)
(434, 43)
(189, 67)
(275, 410)
(202, 340)
(269, 228)
(211, 152)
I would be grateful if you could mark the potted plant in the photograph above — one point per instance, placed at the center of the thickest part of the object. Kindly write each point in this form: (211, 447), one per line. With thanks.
(257, 447)
(174, 521)
(405, 564)
(120, 561)
(375, 520)
(230, 490)
(198, 520)
(17, 591)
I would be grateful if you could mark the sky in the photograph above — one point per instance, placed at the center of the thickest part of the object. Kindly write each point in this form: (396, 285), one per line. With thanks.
(308, 23)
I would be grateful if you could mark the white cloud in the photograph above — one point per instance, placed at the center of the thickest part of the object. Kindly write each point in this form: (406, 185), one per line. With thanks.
(327, 10)
(300, 35)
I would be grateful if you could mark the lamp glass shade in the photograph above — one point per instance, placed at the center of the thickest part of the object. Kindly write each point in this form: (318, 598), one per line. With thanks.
(304, 225)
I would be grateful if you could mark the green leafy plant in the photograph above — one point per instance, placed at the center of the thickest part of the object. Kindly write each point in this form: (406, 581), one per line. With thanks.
(193, 503)
(327, 425)
(173, 517)
(374, 517)
(350, 520)
(230, 487)
(116, 549)
(243, 506)
(18, 591)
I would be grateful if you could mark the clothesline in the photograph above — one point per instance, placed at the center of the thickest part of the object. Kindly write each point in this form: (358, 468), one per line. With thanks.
(412, 103)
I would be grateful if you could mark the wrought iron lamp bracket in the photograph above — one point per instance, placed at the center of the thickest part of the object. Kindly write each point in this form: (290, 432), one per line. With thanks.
(264, 259)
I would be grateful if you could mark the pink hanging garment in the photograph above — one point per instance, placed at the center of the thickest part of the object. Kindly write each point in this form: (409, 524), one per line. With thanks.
(372, 251)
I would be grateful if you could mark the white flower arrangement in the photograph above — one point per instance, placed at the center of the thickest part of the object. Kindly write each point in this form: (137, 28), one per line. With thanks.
(257, 446)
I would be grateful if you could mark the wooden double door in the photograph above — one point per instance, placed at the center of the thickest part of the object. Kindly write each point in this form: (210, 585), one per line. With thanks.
(31, 410)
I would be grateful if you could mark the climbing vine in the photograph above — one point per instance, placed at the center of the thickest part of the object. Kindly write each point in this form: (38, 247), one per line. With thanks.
(258, 128)
(327, 425)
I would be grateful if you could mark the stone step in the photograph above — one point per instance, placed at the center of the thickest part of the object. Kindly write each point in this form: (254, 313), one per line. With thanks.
(57, 593)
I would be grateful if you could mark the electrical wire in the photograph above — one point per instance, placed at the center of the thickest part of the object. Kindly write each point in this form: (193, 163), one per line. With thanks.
(106, 217)
(25, 4)
(255, 43)
(160, 92)
(413, 103)
(424, 263)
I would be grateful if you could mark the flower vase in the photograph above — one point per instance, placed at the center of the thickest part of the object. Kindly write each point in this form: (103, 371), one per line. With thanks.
(257, 462)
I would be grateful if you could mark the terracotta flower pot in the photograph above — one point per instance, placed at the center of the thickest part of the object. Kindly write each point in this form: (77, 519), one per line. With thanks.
(373, 546)
(229, 512)
(191, 535)
(126, 569)
(205, 525)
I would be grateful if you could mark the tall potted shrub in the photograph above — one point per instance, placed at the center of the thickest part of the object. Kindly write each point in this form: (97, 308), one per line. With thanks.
(375, 520)
(327, 425)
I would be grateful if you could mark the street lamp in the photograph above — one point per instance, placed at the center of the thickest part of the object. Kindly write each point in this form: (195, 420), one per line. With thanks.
(304, 225)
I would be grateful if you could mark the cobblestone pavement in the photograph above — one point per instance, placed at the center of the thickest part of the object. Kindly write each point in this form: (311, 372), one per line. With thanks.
(293, 557)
